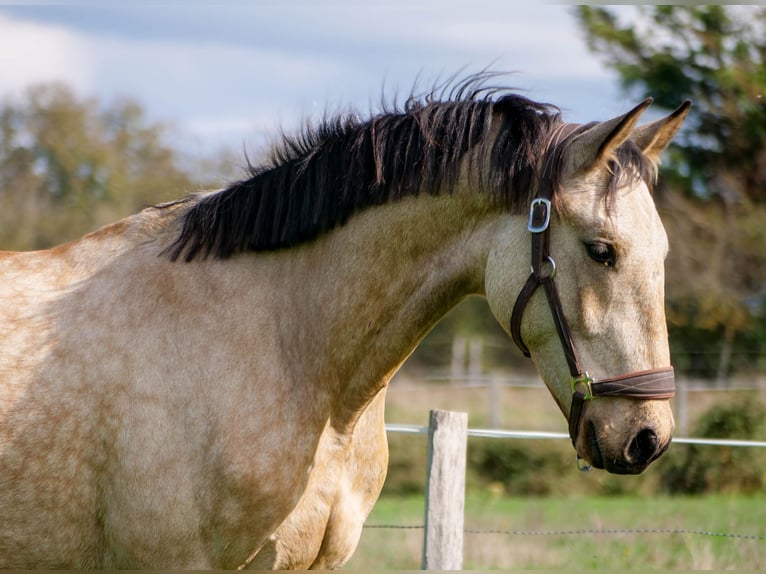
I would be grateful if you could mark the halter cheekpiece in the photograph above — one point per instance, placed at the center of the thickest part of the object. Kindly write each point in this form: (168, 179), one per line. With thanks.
(652, 384)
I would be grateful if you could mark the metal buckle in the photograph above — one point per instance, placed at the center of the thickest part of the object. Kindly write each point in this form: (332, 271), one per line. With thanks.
(584, 467)
(583, 379)
(530, 224)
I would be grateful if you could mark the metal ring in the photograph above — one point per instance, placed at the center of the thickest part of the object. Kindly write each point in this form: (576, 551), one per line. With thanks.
(550, 260)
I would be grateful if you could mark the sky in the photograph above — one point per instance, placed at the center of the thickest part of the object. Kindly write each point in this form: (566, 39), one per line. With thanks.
(233, 73)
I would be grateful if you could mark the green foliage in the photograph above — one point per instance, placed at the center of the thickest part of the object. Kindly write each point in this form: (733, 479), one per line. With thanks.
(697, 351)
(471, 318)
(523, 468)
(69, 165)
(715, 55)
(704, 469)
(406, 465)
(715, 274)
(515, 468)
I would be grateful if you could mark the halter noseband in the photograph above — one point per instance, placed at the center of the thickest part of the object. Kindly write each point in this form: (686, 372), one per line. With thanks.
(651, 384)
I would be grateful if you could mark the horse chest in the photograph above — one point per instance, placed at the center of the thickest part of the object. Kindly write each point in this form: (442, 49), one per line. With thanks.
(323, 529)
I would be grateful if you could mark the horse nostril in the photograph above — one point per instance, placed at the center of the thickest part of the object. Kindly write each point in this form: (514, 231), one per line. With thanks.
(644, 447)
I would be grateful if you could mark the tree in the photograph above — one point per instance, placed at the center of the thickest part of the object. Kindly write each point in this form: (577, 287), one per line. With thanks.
(715, 55)
(713, 199)
(69, 165)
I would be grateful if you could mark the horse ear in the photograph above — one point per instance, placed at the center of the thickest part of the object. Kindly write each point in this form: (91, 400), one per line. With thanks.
(654, 137)
(598, 143)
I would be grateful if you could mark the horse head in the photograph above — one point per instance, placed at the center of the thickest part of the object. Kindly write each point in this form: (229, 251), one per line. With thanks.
(598, 336)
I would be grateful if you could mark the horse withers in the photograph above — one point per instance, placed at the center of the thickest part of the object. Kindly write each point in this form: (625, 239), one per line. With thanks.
(202, 384)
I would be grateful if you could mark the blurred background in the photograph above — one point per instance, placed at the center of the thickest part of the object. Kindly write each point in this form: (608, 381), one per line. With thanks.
(107, 107)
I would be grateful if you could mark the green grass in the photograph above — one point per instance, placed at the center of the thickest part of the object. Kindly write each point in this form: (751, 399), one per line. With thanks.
(401, 548)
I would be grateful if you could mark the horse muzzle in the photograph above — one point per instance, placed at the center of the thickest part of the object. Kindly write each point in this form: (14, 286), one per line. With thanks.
(645, 445)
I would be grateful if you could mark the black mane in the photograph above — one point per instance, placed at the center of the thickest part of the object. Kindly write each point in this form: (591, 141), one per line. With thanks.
(318, 180)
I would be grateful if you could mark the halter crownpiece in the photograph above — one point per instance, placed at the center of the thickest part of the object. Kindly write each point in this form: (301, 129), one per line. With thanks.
(652, 384)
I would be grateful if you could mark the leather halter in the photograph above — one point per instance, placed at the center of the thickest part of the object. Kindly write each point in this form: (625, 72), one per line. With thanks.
(652, 384)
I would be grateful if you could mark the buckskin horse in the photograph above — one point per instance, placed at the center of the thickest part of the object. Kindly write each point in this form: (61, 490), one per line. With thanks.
(201, 385)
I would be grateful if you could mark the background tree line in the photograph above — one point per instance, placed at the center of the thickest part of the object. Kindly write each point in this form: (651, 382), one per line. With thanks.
(69, 165)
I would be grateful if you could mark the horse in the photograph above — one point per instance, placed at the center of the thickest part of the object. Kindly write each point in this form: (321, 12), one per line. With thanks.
(202, 384)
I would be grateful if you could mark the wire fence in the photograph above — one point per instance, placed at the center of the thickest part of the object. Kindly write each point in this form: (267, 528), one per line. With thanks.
(582, 531)
(578, 532)
(739, 541)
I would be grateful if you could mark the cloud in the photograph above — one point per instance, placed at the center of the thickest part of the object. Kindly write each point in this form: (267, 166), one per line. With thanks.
(539, 42)
(231, 73)
(212, 90)
(178, 73)
(32, 53)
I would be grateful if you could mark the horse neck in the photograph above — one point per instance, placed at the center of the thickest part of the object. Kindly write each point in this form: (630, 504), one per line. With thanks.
(371, 290)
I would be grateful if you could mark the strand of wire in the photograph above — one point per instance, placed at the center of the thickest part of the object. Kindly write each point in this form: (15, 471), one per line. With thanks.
(523, 434)
(584, 531)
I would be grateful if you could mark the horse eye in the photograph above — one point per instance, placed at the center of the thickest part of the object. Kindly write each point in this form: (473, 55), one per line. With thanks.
(601, 253)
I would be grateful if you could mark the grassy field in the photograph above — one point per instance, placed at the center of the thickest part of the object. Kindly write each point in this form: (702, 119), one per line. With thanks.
(401, 548)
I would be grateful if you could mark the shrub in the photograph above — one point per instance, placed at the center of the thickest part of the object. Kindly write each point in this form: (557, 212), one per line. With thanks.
(698, 469)
(522, 468)
(406, 465)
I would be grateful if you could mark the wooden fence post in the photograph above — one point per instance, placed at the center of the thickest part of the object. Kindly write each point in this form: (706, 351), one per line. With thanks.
(445, 491)
(495, 401)
(682, 405)
(457, 370)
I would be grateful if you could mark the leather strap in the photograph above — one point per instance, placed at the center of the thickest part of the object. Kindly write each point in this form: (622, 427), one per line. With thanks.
(518, 310)
(651, 384)
(542, 273)
(575, 414)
